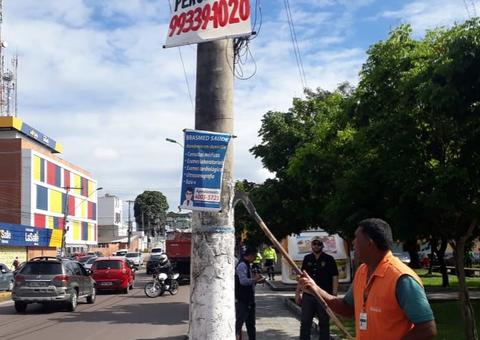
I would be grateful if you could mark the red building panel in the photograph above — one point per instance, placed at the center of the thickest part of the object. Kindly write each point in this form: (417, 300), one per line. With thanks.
(40, 220)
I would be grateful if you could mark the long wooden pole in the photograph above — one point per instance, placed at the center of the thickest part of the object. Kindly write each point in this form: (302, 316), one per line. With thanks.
(243, 197)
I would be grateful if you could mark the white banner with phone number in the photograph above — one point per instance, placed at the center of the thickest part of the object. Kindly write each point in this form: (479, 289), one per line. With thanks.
(196, 21)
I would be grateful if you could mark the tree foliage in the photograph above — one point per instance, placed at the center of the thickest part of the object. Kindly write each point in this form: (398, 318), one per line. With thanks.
(150, 211)
(402, 146)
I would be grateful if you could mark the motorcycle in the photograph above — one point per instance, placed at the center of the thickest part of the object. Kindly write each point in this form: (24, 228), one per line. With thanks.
(162, 283)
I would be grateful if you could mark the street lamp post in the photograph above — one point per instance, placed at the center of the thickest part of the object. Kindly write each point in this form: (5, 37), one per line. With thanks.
(65, 218)
(173, 141)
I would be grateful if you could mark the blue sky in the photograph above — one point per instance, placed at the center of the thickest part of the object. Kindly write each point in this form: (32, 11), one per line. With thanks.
(93, 75)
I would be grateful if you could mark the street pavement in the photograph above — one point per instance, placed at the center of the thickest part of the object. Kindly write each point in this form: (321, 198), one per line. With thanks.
(273, 319)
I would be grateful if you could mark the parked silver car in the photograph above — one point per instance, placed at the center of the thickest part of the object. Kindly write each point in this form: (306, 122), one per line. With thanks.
(48, 280)
(6, 277)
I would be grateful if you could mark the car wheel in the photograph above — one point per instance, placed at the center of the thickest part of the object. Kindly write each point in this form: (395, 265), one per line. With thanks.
(10, 286)
(20, 307)
(91, 298)
(72, 304)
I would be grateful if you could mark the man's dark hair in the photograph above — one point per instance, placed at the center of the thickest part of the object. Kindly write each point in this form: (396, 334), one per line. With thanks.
(249, 251)
(379, 231)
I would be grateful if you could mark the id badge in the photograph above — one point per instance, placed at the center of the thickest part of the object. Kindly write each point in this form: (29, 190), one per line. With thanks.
(363, 321)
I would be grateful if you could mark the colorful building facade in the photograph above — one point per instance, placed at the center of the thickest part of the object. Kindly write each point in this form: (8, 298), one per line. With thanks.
(40, 190)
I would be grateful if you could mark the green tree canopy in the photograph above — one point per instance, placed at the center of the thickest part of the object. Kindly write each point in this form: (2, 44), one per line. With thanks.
(150, 211)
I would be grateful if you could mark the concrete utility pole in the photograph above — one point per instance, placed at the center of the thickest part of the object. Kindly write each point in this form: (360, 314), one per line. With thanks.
(212, 304)
(129, 230)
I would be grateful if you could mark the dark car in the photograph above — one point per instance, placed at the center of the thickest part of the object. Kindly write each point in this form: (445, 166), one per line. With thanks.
(6, 278)
(48, 280)
(113, 273)
(153, 262)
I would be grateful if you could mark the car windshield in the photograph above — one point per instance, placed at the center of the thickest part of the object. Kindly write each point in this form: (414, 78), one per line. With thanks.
(91, 260)
(132, 255)
(84, 259)
(156, 250)
(109, 264)
(38, 268)
(155, 257)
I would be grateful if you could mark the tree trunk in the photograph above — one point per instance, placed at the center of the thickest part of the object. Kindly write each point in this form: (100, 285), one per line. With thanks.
(212, 301)
(412, 248)
(468, 313)
(433, 246)
(441, 260)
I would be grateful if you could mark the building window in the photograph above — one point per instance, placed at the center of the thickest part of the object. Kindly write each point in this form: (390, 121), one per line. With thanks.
(42, 198)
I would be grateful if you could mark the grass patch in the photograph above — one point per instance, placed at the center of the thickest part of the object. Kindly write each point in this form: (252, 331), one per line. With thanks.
(447, 315)
(435, 279)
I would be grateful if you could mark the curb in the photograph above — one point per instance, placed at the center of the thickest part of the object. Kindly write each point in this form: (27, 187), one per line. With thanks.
(5, 296)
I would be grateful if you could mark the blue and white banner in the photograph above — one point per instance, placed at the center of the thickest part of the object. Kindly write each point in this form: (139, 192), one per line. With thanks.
(22, 235)
(203, 160)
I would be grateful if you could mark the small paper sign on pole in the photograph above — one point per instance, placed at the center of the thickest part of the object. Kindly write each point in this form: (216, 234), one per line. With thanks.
(199, 21)
(203, 160)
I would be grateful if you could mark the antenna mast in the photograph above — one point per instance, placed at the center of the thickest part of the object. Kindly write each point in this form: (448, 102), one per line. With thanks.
(8, 78)
(1, 59)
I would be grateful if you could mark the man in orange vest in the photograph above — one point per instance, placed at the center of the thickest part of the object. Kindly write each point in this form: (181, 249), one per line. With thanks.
(387, 298)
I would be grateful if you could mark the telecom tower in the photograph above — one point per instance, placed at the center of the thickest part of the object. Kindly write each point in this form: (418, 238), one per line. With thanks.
(8, 78)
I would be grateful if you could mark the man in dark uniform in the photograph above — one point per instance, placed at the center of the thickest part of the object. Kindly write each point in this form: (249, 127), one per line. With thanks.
(323, 270)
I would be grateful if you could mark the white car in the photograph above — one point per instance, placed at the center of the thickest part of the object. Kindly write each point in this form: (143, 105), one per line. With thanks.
(135, 257)
(88, 264)
(121, 253)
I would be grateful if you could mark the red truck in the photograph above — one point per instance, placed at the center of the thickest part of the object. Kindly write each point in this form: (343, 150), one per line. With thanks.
(179, 249)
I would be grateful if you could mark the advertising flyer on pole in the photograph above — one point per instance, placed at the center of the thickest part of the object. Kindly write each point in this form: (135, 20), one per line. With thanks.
(203, 161)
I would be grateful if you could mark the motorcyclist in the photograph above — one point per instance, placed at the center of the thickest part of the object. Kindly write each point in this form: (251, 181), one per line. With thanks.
(164, 266)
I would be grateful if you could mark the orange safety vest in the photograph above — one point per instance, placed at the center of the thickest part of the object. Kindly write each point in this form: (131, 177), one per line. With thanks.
(385, 318)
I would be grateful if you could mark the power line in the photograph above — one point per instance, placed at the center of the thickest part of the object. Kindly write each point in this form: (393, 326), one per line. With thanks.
(474, 8)
(296, 49)
(183, 66)
(186, 79)
(466, 8)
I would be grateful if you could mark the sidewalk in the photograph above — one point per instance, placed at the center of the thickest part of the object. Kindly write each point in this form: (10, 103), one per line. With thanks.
(276, 316)
(273, 319)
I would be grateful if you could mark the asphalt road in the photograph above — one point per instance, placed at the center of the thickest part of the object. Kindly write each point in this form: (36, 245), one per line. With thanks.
(112, 316)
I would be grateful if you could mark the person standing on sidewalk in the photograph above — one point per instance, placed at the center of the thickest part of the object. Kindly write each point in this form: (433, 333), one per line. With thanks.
(270, 256)
(257, 263)
(15, 263)
(245, 294)
(324, 272)
(387, 299)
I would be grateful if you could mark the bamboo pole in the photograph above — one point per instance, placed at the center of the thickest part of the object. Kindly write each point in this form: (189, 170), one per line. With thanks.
(243, 197)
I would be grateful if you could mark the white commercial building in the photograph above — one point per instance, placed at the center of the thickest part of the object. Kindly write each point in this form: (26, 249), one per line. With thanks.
(110, 219)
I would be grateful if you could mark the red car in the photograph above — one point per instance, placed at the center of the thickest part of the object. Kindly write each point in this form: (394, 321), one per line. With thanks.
(113, 273)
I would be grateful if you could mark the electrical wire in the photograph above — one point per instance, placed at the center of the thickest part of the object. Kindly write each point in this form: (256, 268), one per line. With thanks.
(466, 8)
(474, 8)
(241, 47)
(184, 70)
(296, 49)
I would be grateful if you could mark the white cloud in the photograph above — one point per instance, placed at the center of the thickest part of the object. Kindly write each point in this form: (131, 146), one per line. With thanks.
(427, 14)
(94, 76)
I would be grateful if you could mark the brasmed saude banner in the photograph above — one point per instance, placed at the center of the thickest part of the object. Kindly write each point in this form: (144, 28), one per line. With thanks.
(203, 160)
(196, 21)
